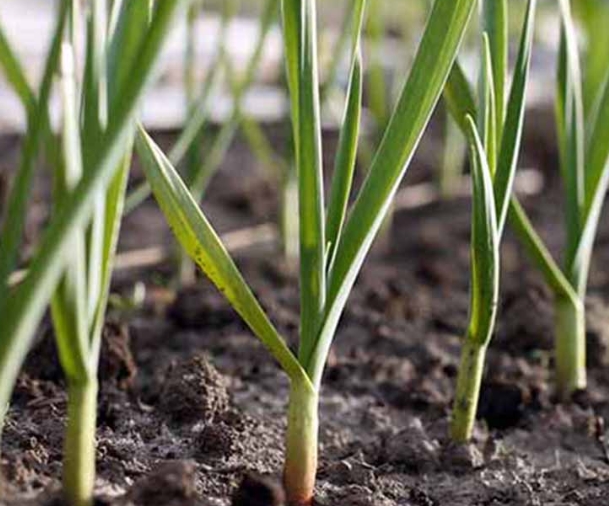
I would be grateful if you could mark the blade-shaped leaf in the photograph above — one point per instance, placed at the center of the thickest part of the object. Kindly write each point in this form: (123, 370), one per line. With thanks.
(598, 145)
(484, 288)
(377, 83)
(300, 27)
(570, 126)
(487, 110)
(14, 73)
(114, 204)
(495, 22)
(15, 211)
(459, 96)
(22, 312)
(346, 156)
(290, 15)
(68, 305)
(598, 170)
(538, 252)
(130, 28)
(95, 119)
(594, 18)
(431, 67)
(514, 121)
(344, 166)
(339, 49)
(201, 242)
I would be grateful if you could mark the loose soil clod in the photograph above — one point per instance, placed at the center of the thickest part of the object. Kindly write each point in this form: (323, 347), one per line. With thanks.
(194, 391)
(116, 361)
(171, 484)
(258, 490)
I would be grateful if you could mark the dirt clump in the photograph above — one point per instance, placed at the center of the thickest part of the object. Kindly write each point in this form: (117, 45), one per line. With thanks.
(257, 490)
(194, 391)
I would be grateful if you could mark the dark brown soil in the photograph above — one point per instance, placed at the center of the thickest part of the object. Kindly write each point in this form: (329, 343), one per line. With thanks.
(192, 408)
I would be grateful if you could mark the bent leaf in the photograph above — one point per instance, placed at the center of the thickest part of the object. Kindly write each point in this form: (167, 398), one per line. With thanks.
(484, 290)
(199, 239)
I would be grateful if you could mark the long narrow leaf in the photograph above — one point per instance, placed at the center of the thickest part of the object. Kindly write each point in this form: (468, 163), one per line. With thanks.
(487, 120)
(484, 290)
(14, 73)
(459, 96)
(114, 204)
(598, 145)
(495, 22)
(307, 124)
(18, 198)
(201, 242)
(290, 14)
(538, 252)
(598, 168)
(125, 44)
(432, 65)
(339, 49)
(570, 121)
(24, 309)
(346, 156)
(95, 119)
(514, 121)
(594, 16)
(69, 301)
(377, 83)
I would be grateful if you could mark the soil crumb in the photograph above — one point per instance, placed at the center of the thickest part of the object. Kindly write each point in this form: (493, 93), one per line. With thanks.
(257, 490)
(194, 391)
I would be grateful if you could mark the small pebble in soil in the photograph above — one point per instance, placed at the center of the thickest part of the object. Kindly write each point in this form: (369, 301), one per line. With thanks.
(116, 361)
(194, 391)
(257, 490)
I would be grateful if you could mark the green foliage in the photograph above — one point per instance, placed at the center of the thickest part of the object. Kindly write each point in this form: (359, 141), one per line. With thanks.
(90, 167)
(494, 146)
(328, 267)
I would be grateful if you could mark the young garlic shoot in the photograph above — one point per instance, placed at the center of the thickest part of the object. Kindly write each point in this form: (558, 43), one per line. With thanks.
(82, 173)
(79, 304)
(333, 244)
(494, 147)
(584, 159)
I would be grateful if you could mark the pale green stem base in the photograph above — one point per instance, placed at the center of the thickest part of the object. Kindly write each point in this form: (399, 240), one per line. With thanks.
(570, 347)
(301, 445)
(79, 445)
(468, 392)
